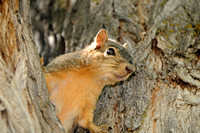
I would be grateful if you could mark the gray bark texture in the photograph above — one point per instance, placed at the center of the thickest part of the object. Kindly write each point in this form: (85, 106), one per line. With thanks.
(164, 39)
(163, 36)
(24, 102)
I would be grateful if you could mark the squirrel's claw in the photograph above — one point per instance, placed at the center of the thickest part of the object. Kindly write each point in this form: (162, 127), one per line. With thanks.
(99, 129)
(105, 127)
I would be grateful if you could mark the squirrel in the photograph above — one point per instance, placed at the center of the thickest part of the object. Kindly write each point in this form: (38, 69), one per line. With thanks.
(75, 80)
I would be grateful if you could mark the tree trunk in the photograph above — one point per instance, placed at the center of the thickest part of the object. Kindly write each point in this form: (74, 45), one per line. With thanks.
(163, 37)
(24, 102)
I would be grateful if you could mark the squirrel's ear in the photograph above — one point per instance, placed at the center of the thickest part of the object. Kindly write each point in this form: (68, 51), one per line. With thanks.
(101, 38)
(125, 45)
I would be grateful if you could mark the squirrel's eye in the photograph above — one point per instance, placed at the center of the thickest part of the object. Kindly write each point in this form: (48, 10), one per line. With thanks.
(111, 51)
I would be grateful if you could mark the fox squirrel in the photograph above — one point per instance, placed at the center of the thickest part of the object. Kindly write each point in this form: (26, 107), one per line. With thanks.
(75, 80)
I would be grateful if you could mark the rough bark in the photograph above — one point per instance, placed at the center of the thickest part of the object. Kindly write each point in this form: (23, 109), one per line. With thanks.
(24, 102)
(163, 37)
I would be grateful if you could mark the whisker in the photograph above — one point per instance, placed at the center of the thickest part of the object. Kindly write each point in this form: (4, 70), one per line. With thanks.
(114, 67)
(116, 60)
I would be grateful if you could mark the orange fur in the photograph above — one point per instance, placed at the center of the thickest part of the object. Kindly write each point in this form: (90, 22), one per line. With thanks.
(74, 95)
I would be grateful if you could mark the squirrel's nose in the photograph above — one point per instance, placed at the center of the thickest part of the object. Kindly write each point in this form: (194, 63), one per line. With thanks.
(129, 70)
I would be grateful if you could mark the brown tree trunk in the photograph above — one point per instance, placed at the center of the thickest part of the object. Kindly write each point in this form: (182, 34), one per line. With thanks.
(163, 37)
(24, 103)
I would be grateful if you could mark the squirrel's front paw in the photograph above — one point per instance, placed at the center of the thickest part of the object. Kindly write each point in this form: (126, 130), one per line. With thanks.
(98, 129)
(103, 131)
(105, 127)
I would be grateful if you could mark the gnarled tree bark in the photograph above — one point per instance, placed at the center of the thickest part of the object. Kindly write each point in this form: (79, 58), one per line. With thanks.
(24, 102)
(163, 37)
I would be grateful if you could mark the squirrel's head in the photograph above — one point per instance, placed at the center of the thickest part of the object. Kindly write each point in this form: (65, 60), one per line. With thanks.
(111, 59)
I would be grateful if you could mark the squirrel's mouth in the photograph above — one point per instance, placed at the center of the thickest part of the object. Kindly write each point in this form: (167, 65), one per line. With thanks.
(122, 77)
